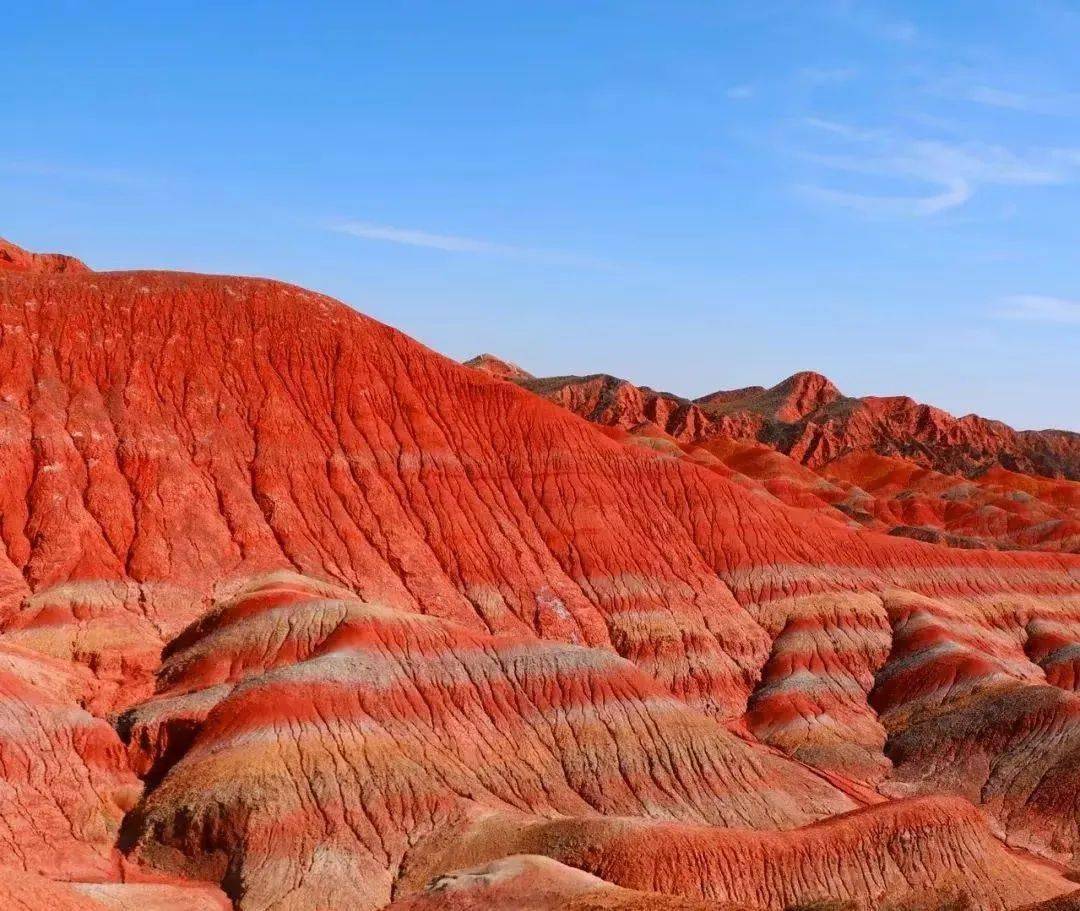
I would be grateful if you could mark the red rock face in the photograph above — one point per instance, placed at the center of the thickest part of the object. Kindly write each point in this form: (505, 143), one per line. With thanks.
(911, 851)
(16, 259)
(66, 784)
(808, 418)
(501, 369)
(26, 890)
(888, 464)
(294, 606)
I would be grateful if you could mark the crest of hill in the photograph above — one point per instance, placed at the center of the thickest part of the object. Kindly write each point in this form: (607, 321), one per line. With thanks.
(790, 400)
(963, 482)
(15, 259)
(497, 367)
(808, 418)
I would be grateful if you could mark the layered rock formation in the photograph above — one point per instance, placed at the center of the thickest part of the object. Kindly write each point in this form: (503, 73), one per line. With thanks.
(401, 726)
(28, 892)
(889, 464)
(293, 606)
(908, 854)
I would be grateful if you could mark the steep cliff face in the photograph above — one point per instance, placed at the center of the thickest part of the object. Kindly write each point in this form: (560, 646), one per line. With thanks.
(352, 617)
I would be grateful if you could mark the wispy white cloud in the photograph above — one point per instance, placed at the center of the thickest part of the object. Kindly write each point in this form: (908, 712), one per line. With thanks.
(741, 92)
(953, 194)
(117, 176)
(1038, 308)
(454, 243)
(1002, 98)
(844, 130)
(413, 238)
(869, 19)
(953, 170)
(995, 96)
(814, 75)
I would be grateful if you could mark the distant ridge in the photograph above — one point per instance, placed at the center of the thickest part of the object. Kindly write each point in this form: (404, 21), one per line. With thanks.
(886, 463)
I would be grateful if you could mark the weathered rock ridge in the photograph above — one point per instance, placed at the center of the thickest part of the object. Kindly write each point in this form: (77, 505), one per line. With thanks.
(809, 419)
(888, 464)
(16, 259)
(297, 614)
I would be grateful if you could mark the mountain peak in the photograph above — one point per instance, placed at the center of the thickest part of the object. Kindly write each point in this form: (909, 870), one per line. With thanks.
(497, 367)
(802, 393)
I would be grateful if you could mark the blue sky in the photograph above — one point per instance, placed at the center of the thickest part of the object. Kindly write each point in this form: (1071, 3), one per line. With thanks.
(694, 195)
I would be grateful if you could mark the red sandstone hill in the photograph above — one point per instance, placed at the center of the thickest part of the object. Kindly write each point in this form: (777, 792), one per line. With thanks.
(888, 464)
(297, 614)
(809, 419)
(497, 367)
(16, 259)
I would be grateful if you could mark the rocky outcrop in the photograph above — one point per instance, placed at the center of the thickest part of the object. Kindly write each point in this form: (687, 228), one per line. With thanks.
(16, 259)
(612, 402)
(791, 400)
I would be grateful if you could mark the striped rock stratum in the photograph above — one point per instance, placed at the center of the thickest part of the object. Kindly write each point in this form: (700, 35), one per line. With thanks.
(296, 613)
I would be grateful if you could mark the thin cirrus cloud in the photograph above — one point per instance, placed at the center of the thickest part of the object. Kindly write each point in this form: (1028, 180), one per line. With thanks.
(952, 171)
(49, 170)
(455, 243)
(413, 238)
(741, 92)
(868, 19)
(1037, 308)
(1018, 101)
(822, 76)
(995, 96)
(953, 194)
